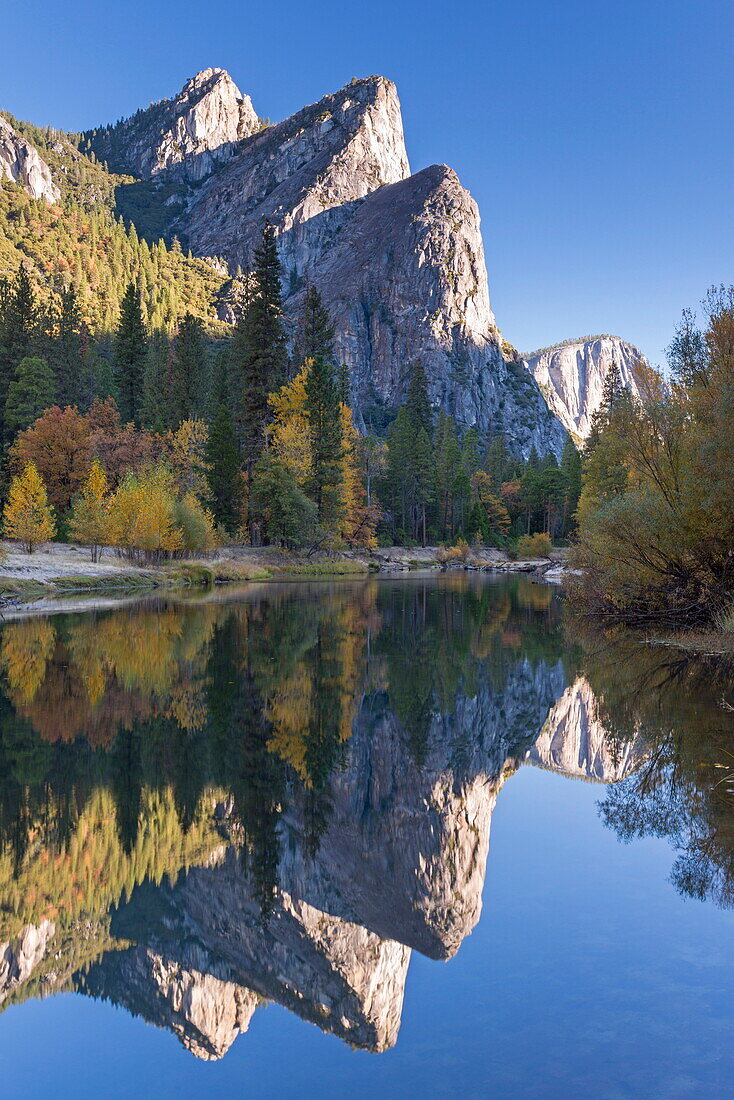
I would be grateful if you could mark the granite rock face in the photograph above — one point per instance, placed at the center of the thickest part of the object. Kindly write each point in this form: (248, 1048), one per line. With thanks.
(406, 280)
(571, 377)
(21, 163)
(398, 258)
(187, 136)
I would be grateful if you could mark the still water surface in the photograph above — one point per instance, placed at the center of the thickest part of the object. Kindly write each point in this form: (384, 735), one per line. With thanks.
(245, 849)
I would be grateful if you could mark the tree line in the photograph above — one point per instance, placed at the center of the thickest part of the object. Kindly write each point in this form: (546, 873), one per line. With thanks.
(252, 437)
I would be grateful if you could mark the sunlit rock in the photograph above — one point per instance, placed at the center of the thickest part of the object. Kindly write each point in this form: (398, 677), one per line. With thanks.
(21, 163)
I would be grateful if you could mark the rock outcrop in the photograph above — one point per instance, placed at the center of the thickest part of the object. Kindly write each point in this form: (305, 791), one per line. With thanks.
(22, 163)
(571, 376)
(187, 135)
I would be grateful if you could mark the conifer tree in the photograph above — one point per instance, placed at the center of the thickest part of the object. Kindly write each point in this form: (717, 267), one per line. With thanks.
(571, 469)
(448, 459)
(223, 474)
(188, 364)
(27, 515)
(409, 478)
(17, 328)
(323, 410)
(131, 346)
(156, 409)
(30, 393)
(68, 354)
(496, 461)
(258, 353)
(417, 401)
(315, 331)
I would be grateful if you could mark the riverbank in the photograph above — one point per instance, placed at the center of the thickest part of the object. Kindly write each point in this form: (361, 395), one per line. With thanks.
(59, 569)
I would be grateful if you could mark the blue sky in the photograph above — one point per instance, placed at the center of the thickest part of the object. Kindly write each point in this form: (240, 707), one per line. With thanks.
(596, 138)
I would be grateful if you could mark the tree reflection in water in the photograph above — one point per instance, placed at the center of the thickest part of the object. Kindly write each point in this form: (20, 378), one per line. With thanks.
(280, 793)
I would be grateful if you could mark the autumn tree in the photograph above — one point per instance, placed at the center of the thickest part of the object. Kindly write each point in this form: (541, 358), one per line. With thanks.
(656, 511)
(489, 516)
(58, 445)
(143, 515)
(187, 458)
(90, 518)
(27, 515)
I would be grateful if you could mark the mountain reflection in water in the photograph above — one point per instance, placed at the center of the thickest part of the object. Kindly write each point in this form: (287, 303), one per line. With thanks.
(278, 795)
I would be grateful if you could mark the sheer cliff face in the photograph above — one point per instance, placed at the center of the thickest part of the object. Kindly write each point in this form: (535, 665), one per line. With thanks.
(571, 377)
(302, 175)
(21, 163)
(188, 135)
(406, 280)
(399, 258)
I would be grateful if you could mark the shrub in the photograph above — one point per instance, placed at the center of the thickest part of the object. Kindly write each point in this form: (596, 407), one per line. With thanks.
(450, 555)
(196, 525)
(534, 546)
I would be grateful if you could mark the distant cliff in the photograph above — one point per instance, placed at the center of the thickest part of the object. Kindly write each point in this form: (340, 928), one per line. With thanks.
(571, 376)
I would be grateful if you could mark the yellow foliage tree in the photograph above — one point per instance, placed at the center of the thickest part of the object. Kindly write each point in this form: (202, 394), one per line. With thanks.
(290, 432)
(291, 442)
(187, 460)
(90, 515)
(360, 519)
(27, 517)
(143, 515)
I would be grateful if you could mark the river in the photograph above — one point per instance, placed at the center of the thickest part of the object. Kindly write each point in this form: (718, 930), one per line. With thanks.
(245, 848)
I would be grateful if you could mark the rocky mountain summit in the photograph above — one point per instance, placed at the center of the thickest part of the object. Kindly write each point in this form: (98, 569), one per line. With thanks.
(397, 257)
(571, 376)
(21, 163)
(187, 135)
